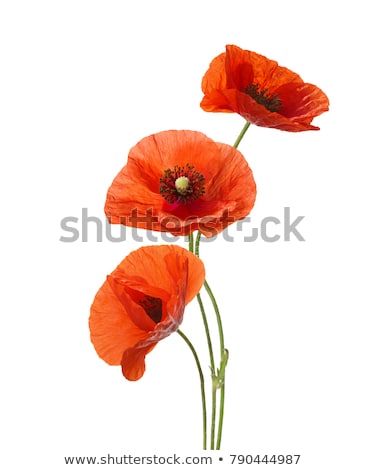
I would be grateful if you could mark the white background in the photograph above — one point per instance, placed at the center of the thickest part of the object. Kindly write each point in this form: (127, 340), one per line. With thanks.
(81, 83)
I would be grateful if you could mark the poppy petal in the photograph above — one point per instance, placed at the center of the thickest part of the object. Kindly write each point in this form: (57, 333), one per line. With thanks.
(133, 362)
(135, 198)
(141, 303)
(261, 91)
(112, 330)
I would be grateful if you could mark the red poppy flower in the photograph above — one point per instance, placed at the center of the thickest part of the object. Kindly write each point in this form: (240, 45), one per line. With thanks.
(261, 91)
(142, 302)
(179, 182)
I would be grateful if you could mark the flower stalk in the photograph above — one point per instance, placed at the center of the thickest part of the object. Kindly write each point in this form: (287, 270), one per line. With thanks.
(241, 134)
(218, 377)
(202, 384)
(218, 374)
(143, 300)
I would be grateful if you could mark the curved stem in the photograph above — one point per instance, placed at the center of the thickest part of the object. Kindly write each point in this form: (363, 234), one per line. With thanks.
(218, 376)
(217, 313)
(216, 380)
(201, 305)
(241, 134)
(202, 384)
(208, 339)
(207, 332)
(223, 363)
(212, 364)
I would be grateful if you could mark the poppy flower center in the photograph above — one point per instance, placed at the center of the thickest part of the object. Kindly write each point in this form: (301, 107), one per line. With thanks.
(182, 184)
(152, 307)
(272, 103)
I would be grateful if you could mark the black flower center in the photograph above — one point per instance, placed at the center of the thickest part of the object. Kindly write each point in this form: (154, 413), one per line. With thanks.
(182, 184)
(272, 103)
(152, 307)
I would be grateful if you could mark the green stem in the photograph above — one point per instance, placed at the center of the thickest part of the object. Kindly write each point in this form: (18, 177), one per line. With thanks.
(217, 313)
(218, 376)
(191, 243)
(223, 363)
(197, 243)
(241, 134)
(223, 351)
(223, 359)
(214, 415)
(213, 369)
(212, 363)
(208, 339)
(207, 332)
(201, 305)
(221, 413)
(202, 384)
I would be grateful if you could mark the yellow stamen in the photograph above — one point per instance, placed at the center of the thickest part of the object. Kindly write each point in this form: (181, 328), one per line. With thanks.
(182, 185)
